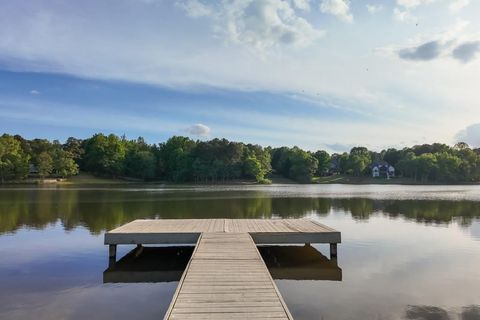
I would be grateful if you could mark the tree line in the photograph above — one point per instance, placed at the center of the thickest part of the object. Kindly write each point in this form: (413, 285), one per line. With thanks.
(435, 162)
(181, 159)
(100, 210)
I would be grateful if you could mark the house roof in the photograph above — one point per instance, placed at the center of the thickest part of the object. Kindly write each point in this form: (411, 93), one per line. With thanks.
(379, 163)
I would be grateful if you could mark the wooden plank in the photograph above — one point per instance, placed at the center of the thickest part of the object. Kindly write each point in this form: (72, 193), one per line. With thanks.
(226, 278)
(187, 231)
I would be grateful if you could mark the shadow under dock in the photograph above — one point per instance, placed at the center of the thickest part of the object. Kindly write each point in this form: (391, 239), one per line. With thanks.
(167, 264)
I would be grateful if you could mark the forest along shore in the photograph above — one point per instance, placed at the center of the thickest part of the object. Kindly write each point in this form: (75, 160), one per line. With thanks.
(219, 161)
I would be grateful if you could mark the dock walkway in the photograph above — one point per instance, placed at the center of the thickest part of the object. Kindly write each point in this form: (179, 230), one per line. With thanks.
(226, 277)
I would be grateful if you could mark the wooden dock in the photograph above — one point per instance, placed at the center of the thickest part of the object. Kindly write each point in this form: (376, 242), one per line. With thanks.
(167, 264)
(226, 277)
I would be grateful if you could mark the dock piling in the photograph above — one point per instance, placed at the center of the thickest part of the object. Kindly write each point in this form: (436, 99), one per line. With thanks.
(333, 250)
(138, 250)
(112, 251)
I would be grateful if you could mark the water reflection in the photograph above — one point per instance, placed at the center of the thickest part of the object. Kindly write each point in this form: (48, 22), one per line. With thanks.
(100, 210)
(166, 264)
(299, 263)
(471, 312)
(426, 313)
(153, 264)
(393, 255)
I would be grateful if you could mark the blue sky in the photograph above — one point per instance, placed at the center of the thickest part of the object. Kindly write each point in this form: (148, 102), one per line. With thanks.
(320, 74)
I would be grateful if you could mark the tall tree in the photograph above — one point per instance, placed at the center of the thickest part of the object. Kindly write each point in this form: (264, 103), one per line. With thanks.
(45, 164)
(140, 164)
(323, 159)
(75, 147)
(13, 161)
(177, 160)
(105, 155)
(64, 164)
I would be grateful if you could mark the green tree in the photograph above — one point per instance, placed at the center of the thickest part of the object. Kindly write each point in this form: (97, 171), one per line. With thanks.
(323, 159)
(176, 158)
(303, 165)
(281, 160)
(253, 169)
(392, 156)
(63, 163)
(140, 164)
(461, 146)
(37, 147)
(105, 155)
(426, 165)
(74, 146)
(13, 161)
(45, 164)
(448, 167)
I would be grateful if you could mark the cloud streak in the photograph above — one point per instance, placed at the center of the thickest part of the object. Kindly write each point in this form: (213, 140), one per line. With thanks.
(424, 52)
(467, 51)
(464, 52)
(457, 5)
(373, 9)
(198, 130)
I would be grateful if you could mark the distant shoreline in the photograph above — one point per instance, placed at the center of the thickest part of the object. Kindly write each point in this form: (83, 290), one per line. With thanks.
(88, 179)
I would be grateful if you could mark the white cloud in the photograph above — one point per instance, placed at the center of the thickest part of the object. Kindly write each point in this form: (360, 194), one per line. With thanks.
(195, 8)
(338, 8)
(34, 92)
(470, 135)
(182, 52)
(404, 8)
(339, 147)
(199, 130)
(302, 4)
(410, 4)
(403, 11)
(373, 9)
(458, 5)
(258, 23)
(402, 14)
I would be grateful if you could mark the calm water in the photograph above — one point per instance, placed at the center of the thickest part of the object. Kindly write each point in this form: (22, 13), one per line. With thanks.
(408, 252)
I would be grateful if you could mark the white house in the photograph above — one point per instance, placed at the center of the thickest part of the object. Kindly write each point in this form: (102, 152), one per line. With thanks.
(382, 168)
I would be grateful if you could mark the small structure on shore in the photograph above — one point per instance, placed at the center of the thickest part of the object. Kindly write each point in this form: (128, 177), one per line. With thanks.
(382, 169)
(32, 169)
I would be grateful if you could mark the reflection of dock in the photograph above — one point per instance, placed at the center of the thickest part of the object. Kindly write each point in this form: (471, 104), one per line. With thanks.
(166, 264)
(226, 276)
(299, 263)
(162, 264)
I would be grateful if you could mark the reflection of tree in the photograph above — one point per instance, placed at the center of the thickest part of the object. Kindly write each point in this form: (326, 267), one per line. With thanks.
(435, 313)
(471, 312)
(433, 210)
(426, 313)
(299, 207)
(100, 210)
(360, 208)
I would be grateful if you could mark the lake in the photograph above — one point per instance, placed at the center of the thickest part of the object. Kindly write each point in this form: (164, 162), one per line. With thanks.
(407, 252)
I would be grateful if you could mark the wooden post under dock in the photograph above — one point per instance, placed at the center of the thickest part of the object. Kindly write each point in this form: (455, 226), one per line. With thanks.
(226, 277)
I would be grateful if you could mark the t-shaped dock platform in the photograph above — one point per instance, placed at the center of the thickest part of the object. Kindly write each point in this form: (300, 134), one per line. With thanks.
(226, 276)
